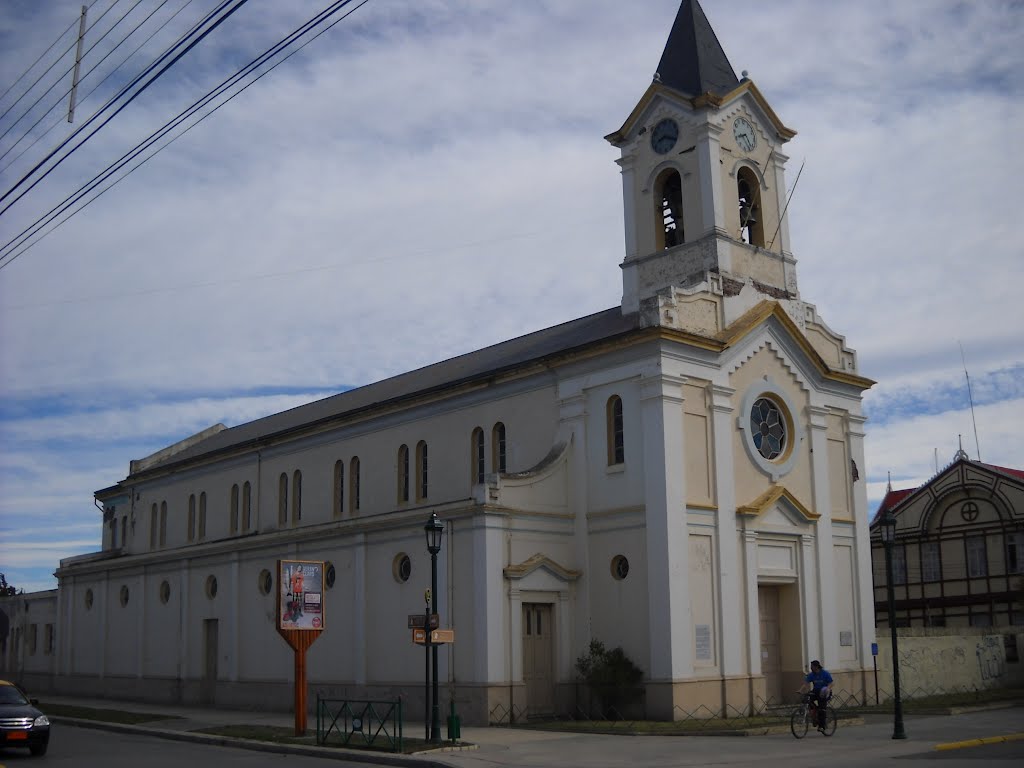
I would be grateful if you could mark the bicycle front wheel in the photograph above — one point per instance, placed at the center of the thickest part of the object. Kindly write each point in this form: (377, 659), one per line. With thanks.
(830, 721)
(798, 722)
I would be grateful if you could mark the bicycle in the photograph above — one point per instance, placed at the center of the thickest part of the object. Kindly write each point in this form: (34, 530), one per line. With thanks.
(806, 714)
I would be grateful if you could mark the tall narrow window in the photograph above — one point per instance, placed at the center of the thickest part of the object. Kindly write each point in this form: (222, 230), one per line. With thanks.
(669, 201)
(154, 527)
(616, 433)
(477, 449)
(403, 473)
(353, 485)
(749, 199)
(192, 517)
(977, 557)
(931, 568)
(163, 523)
(421, 470)
(124, 531)
(899, 564)
(202, 515)
(246, 506)
(296, 496)
(339, 489)
(282, 500)
(1015, 552)
(233, 514)
(498, 447)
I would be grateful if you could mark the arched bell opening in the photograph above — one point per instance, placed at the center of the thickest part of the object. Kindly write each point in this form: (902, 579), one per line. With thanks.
(669, 213)
(749, 197)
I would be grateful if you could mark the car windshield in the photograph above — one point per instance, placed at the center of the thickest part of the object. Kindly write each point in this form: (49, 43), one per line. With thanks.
(11, 695)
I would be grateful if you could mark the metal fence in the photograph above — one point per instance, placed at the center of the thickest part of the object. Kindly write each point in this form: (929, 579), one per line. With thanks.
(339, 722)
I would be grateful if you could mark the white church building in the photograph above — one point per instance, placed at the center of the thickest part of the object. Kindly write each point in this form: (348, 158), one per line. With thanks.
(677, 476)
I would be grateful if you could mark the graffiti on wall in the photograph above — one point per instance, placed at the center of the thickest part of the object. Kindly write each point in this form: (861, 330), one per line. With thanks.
(923, 660)
(991, 659)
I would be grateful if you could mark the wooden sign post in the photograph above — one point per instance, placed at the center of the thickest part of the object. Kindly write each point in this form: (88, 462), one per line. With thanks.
(300, 620)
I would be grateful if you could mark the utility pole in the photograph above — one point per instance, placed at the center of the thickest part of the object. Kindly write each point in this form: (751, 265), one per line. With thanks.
(78, 64)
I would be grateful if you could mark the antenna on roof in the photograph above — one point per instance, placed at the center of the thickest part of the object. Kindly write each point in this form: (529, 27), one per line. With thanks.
(888, 487)
(970, 397)
(936, 460)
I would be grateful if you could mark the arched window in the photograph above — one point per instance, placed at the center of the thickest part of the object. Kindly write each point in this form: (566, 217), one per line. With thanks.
(749, 196)
(246, 506)
(192, 517)
(202, 515)
(498, 447)
(403, 473)
(154, 527)
(124, 531)
(282, 500)
(669, 201)
(353, 485)
(163, 523)
(296, 496)
(421, 470)
(233, 515)
(339, 488)
(113, 533)
(476, 446)
(616, 442)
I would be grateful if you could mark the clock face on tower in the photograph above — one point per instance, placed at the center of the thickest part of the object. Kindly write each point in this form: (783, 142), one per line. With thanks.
(664, 135)
(743, 131)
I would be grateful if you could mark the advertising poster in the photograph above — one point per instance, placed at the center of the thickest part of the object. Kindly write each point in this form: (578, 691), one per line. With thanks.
(300, 594)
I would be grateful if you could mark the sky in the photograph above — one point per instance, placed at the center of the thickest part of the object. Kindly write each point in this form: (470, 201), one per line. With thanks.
(430, 177)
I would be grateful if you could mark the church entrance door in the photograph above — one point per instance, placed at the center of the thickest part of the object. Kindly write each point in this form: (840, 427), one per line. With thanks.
(771, 651)
(538, 672)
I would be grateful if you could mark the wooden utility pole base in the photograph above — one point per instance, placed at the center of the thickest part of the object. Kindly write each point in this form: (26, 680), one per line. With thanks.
(299, 641)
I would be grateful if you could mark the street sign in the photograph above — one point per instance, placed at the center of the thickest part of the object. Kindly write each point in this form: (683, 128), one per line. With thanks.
(419, 621)
(439, 636)
(419, 636)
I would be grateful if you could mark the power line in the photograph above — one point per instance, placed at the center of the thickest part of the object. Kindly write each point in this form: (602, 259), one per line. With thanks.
(128, 157)
(216, 22)
(22, 75)
(99, 85)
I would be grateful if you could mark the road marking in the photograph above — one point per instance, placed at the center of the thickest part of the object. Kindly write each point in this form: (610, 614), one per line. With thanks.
(979, 742)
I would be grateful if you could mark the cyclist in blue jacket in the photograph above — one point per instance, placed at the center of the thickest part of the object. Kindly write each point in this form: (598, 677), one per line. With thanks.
(820, 682)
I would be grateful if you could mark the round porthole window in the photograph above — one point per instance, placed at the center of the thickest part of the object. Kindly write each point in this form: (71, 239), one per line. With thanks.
(88, 599)
(265, 582)
(330, 574)
(620, 567)
(165, 592)
(769, 433)
(401, 568)
(211, 587)
(124, 595)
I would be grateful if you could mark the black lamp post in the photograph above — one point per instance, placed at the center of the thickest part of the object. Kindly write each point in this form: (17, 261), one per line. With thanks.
(434, 530)
(887, 528)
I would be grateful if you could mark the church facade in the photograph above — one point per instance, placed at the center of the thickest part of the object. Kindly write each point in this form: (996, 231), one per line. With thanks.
(677, 476)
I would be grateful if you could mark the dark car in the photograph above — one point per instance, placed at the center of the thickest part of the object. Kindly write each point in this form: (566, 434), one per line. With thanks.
(21, 724)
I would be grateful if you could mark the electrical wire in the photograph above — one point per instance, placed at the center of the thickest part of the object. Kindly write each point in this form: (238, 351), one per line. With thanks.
(176, 56)
(99, 85)
(32, 230)
(32, 66)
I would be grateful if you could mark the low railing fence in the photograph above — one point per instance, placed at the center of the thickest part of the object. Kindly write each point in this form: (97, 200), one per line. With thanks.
(339, 722)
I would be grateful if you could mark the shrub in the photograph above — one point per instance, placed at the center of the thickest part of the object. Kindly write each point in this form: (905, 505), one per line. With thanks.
(611, 676)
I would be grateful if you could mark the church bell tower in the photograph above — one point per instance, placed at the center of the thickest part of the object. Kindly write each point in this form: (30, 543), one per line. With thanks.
(703, 178)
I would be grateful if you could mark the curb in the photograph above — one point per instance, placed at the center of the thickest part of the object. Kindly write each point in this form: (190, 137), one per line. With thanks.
(979, 742)
(332, 753)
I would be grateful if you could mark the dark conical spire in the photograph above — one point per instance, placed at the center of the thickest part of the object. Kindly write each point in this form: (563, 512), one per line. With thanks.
(693, 61)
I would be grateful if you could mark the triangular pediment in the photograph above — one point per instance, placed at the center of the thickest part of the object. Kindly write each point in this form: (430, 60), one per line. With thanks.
(776, 508)
(540, 562)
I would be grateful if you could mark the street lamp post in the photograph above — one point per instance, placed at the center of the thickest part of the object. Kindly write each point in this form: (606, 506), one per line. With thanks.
(434, 529)
(887, 528)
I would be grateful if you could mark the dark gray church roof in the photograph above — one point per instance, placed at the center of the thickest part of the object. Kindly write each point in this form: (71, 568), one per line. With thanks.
(481, 364)
(693, 61)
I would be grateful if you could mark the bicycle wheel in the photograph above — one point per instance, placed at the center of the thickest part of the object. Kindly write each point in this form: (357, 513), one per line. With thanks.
(798, 722)
(830, 721)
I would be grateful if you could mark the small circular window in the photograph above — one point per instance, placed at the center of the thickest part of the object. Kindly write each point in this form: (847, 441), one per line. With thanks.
(165, 592)
(124, 595)
(265, 582)
(401, 568)
(768, 429)
(620, 567)
(88, 599)
(211, 587)
(330, 574)
(969, 511)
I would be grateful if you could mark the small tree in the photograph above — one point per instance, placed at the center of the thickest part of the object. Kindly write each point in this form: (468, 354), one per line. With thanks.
(611, 676)
(5, 588)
